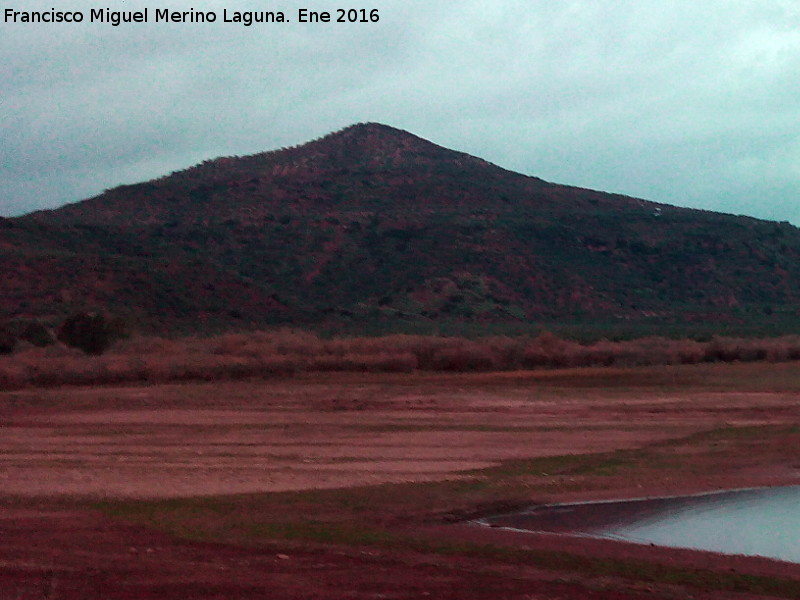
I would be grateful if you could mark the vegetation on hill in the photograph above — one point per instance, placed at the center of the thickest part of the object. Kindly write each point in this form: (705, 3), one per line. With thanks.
(375, 225)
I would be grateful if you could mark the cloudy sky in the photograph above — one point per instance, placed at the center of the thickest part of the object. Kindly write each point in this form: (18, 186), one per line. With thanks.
(684, 102)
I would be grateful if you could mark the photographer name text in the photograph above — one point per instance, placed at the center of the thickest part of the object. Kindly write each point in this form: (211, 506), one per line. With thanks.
(246, 18)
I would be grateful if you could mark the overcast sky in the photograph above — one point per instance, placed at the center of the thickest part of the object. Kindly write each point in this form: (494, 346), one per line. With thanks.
(677, 101)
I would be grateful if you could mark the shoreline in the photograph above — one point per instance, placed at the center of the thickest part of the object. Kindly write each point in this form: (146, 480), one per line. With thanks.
(378, 478)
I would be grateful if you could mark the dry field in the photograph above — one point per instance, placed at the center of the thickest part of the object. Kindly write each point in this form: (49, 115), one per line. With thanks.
(358, 485)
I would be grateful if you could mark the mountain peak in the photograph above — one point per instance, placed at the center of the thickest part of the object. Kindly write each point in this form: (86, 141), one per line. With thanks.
(372, 127)
(375, 222)
(359, 168)
(378, 146)
(362, 131)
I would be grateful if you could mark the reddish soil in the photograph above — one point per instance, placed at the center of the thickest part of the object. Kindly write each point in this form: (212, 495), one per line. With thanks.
(60, 447)
(74, 556)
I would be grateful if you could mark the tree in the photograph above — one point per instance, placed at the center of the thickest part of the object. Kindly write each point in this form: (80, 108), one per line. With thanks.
(37, 334)
(7, 340)
(90, 332)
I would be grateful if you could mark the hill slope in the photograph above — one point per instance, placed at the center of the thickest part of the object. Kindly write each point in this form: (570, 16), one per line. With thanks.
(375, 223)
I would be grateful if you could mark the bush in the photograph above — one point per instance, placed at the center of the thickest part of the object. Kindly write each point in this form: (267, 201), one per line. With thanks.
(92, 333)
(37, 334)
(284, 352)
(464, 357)
(7, 340)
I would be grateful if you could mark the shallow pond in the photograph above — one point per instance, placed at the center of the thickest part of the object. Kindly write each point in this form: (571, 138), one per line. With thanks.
(760, 522)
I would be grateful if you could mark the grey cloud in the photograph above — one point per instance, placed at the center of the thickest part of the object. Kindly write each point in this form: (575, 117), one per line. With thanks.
(681, 102)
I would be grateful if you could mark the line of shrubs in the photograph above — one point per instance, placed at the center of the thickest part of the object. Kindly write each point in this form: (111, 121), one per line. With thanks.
(91, 333)
(261, 354)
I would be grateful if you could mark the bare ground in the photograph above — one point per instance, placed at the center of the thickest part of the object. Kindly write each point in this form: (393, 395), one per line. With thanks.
(207, 490)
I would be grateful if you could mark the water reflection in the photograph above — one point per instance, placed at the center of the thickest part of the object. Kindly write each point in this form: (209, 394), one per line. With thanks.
(762, 522)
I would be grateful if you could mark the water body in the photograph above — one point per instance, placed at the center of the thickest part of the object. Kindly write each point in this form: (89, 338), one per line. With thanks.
(758, 522)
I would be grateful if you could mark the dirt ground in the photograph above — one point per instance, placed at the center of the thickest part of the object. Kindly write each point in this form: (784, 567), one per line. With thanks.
(68, 454)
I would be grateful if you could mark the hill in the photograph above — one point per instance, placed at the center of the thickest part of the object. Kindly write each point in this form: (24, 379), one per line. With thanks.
(374, 224)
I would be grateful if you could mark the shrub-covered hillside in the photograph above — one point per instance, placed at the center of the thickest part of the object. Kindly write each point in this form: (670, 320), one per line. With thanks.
(375, 224)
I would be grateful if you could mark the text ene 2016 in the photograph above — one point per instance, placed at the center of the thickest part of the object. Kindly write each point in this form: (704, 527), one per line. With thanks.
(340, 15)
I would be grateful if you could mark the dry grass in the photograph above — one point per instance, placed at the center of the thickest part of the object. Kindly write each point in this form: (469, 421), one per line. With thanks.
(283, 352)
